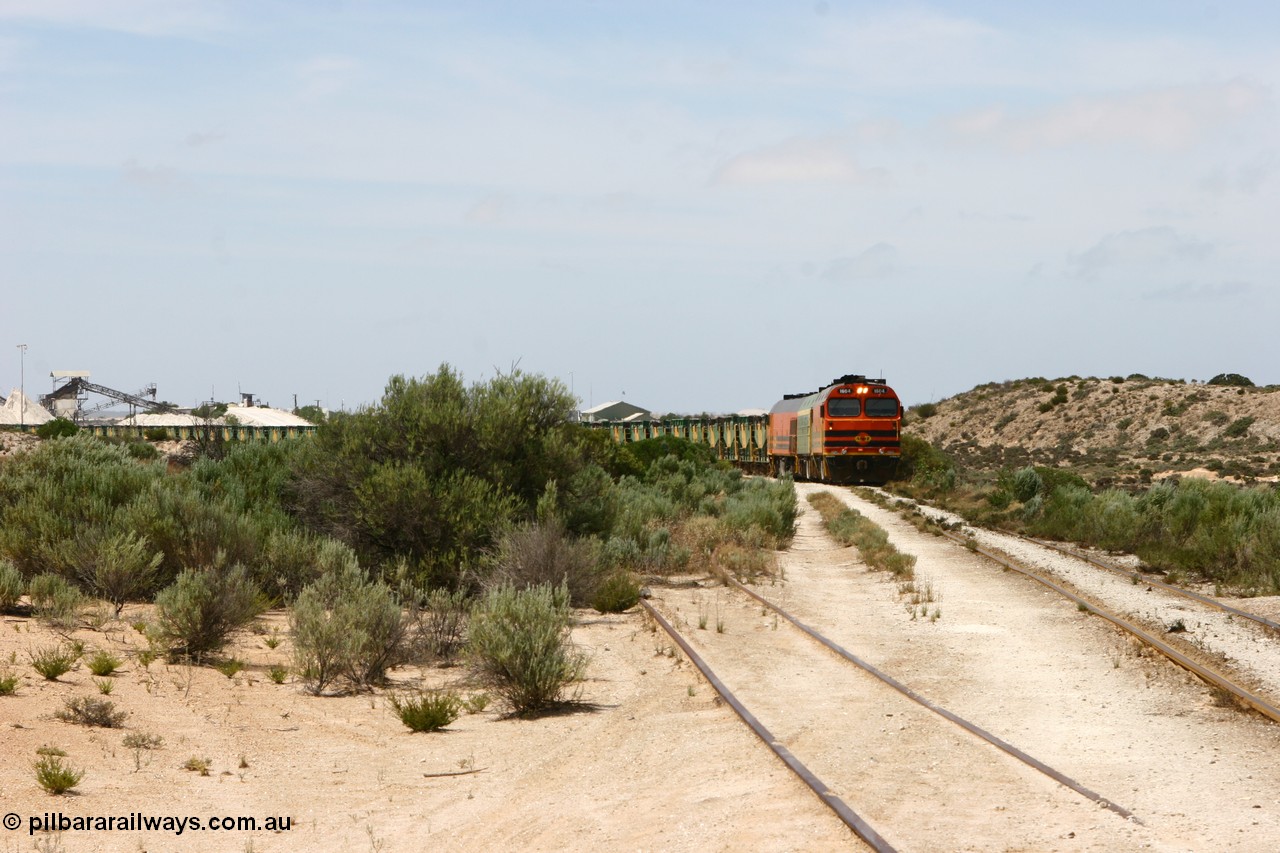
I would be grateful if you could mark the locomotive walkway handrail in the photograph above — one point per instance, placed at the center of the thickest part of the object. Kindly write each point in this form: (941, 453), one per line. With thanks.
(842, 810)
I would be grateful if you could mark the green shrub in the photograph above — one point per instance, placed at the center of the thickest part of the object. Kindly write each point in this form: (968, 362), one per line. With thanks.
(88, 711)
(155, 434)
(123, 568)
(545, 553)
(57, 428)
(444, 622)
(1238, 427)
(347, 628)
(12, 585)
(1027, 483)
(55, 776)
(925, 466)
(436, 468)
(229, 667)
(616, 593)
(429, 711)
(278, 674)
(1232, 379)
(55, 601)
(141, 451)
(924, 411)
(52, 661)
(103, 663)
(196, 614)
(8, 684)
(520, 643)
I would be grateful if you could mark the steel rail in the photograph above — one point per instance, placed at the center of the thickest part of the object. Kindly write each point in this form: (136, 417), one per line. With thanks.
(1176, 590)
(972, 728)
(842, 810)
(1259, 704)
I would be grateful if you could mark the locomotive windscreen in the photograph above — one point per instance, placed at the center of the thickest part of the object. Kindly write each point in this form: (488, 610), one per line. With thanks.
(844, 407)
(879, 407)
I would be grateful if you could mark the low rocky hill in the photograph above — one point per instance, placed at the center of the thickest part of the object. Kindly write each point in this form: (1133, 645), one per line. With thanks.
(1110, 431)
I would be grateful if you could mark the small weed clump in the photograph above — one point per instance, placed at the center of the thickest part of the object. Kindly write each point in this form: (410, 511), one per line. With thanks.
(616, 593)
(105, 685)
(230, 667)
(278, 674)
(428, 711)
(53, 661)
(140, 742)
(55, 776)
(197, 764)
(87, 711)
(8, 684)
(103, 663)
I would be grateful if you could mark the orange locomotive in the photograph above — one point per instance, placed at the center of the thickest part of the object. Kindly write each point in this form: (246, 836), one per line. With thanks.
(849, 432)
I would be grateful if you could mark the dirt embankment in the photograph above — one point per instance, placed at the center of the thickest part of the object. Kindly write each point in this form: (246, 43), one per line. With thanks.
(1118, 431)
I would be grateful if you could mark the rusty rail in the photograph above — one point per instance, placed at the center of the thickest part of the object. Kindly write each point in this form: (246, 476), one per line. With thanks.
(1168, 587)
(1210, 676)
(842, 810)
(972, 728)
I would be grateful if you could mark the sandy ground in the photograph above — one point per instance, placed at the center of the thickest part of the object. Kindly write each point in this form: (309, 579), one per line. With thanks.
(652, 761)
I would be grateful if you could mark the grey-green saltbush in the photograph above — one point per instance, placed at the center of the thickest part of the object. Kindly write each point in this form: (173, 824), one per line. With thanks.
(124, 568)
(520, 643)
(347, 629)
(55, 600)
(199, 611)
(11, 584)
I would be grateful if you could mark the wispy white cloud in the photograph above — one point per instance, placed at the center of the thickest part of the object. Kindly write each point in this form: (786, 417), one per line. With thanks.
(877, 262)
(199, 139)
(797, 161)
(487, 211)
(1245, 178)
(147, 177)
(1145, 247)
(1173, 116)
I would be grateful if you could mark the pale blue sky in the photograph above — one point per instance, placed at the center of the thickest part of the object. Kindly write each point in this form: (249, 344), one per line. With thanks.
(704, 205)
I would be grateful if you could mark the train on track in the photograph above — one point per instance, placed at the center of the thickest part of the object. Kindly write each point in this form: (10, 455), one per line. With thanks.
(849, 432)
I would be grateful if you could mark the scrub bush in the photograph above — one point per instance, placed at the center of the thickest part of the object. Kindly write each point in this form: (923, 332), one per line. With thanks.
(103, 663)
(429, 711)
(12, 585)
(347, 629)
(52, 661)
(544, 553)
(55, 776)
(616, 593)
(199, 611)
(88, 711)
(520, 643)
(54, 600)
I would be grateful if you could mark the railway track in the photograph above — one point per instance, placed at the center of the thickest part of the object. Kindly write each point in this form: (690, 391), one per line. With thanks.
(1206, 600)
(822, 790)
(1205, 671)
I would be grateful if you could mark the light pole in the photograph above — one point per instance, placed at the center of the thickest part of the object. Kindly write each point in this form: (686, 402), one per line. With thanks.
(22, 387)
